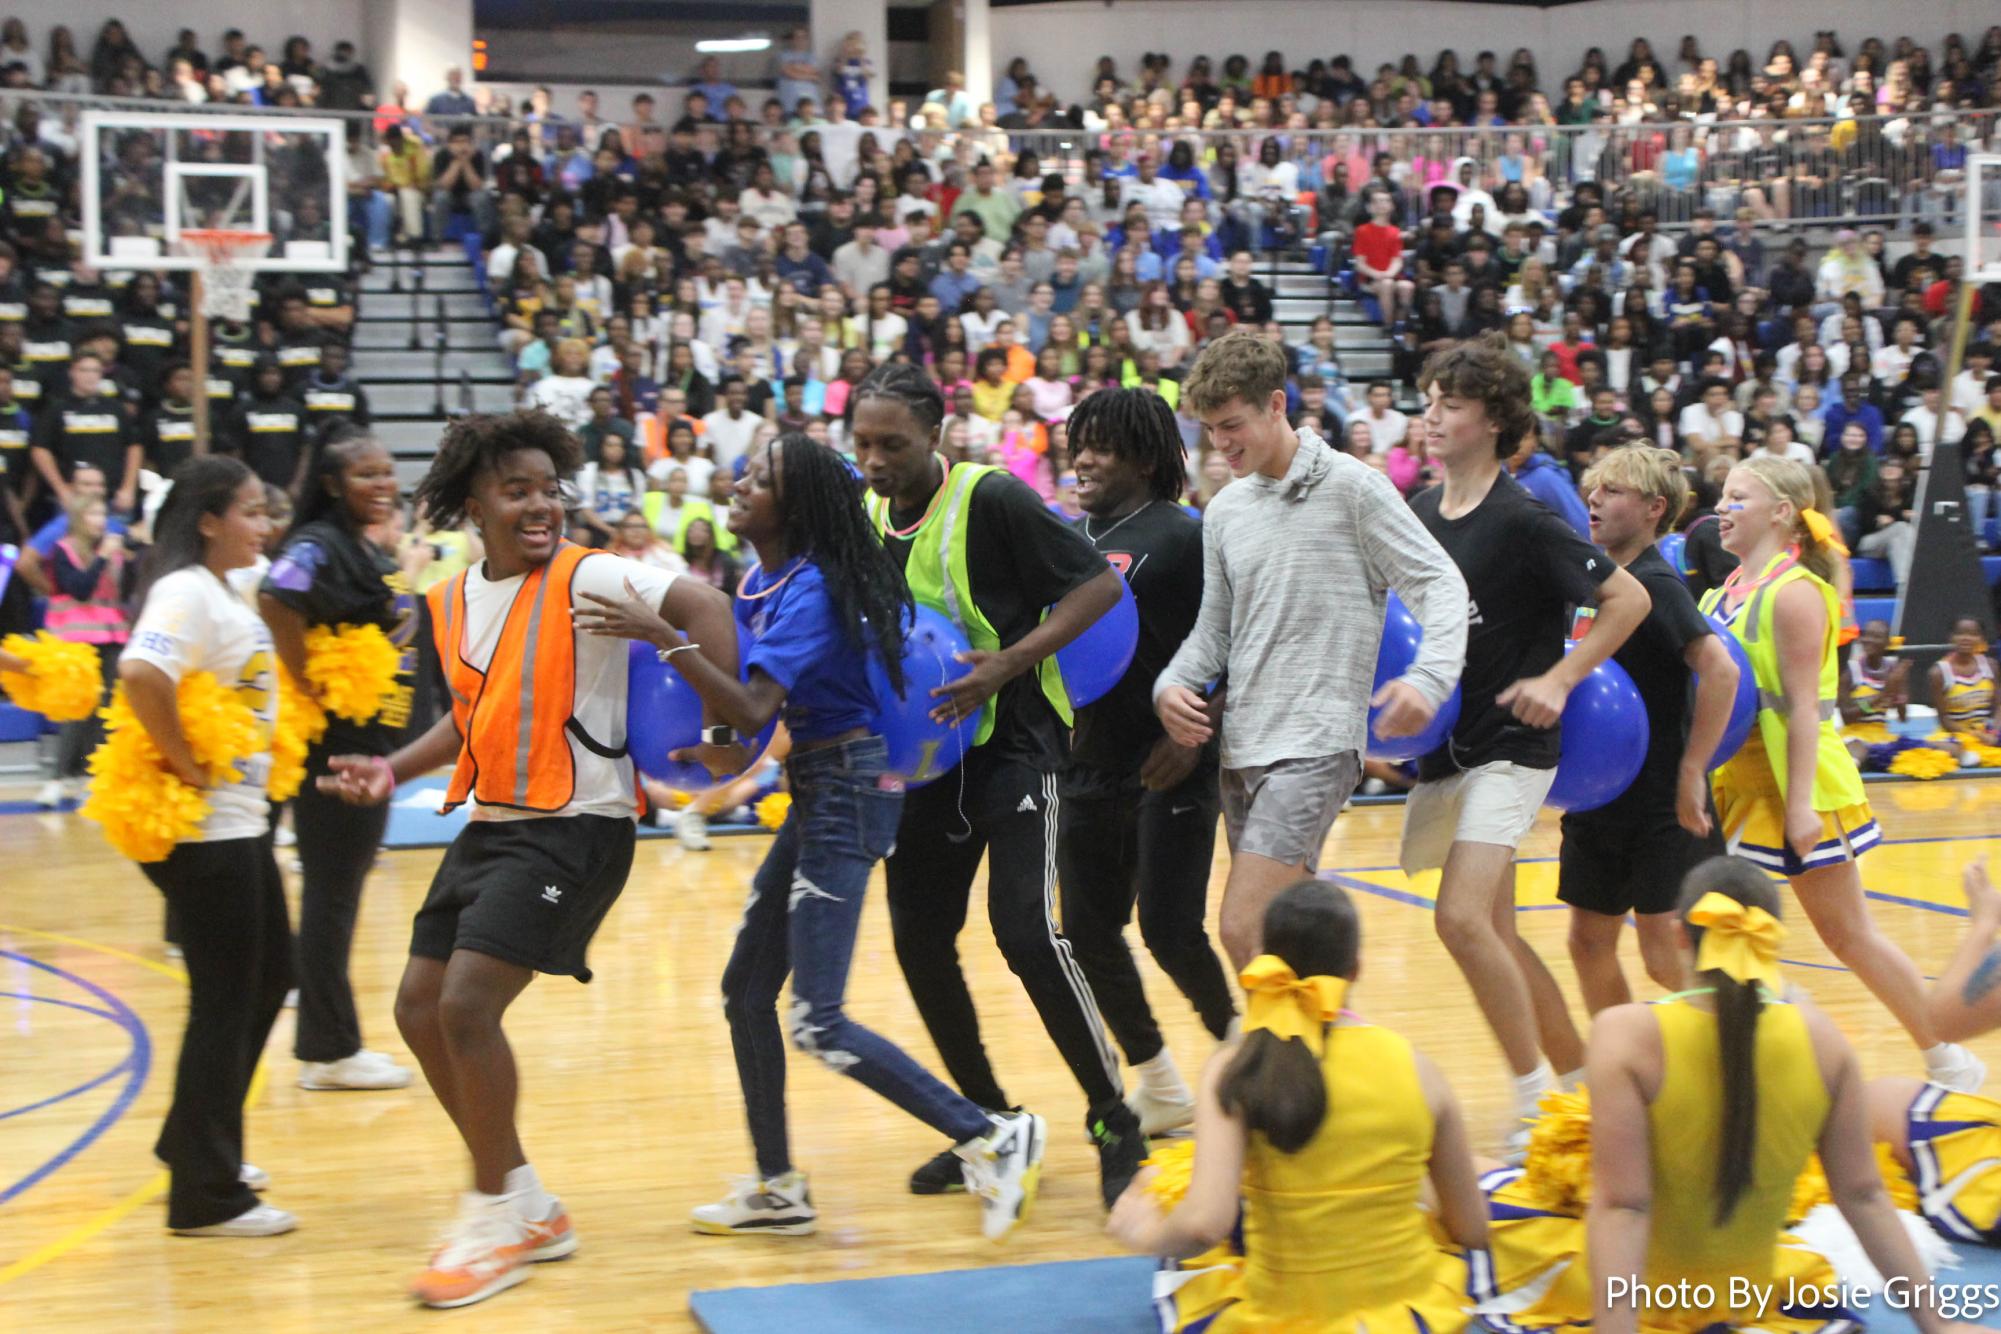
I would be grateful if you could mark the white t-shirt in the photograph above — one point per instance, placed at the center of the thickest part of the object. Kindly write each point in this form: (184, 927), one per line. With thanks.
(700, 473)
(1387, 431)
(603, 787)
(728, 438)
(195, 622)
(1697, 422)
(567, 397)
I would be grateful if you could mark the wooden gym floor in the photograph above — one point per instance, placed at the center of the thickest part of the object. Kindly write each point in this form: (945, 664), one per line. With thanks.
(629, 1102)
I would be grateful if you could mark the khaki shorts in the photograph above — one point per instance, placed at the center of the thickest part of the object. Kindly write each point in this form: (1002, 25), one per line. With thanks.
(1284, 810)
(1494, 803)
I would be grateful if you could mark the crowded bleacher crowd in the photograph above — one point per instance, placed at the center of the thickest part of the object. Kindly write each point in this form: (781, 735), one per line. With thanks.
(1705, 250)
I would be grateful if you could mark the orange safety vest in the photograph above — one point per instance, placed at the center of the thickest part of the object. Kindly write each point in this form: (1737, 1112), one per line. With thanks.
(518, 716)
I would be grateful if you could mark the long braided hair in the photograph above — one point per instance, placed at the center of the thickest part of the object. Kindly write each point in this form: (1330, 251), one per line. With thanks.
(1135, 425)
(906, 384)
(820, 505)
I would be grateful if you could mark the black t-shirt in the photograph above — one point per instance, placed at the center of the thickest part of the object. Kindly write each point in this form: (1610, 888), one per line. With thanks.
(1159, 552)
(1702, 552)
(270, 434)
(1525, 567)
(94, 431)
(167, 434)
(1022, 558)
(333, 577)
(1653, 657)
(1251, 301)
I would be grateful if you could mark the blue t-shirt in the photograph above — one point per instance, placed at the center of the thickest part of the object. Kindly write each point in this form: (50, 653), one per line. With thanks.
(43, 543)
(800, 643)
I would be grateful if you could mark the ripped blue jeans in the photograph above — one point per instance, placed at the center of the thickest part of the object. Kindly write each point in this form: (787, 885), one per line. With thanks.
(804, 910)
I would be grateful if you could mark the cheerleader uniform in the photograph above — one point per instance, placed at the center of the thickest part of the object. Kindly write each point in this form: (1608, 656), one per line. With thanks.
(1865, 692)
(1955, 1142)
(1750, 788)
(1538, 1230)
(1967, 702)
(1358, 1180)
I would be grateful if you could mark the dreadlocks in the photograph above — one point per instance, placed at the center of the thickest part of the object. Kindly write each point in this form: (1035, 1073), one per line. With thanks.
(819, 499)
(472, 445)
(1136, 425)
(906, 384)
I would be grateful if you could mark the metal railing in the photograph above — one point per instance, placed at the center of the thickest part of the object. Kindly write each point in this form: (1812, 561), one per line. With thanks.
(1887, 170)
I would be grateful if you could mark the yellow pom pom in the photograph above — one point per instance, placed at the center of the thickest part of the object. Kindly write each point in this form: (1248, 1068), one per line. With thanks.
(1557, 1172)
(771, 811)
(144, 809)
(352, 669)
(1173, 1165)
(300, 723)
(1922, 762)
(64, 681)
(1811, 1190)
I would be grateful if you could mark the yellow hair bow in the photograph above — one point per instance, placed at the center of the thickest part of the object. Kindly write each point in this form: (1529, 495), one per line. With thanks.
(1738, 940)
(1824, 532)
(1289, 1006)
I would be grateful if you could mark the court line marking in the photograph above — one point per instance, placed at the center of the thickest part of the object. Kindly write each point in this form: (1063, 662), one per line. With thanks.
(154, 1187)
(87, 1085)
(138, 1060)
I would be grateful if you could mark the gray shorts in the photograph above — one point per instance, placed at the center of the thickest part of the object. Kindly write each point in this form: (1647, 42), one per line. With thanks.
(1284, 810)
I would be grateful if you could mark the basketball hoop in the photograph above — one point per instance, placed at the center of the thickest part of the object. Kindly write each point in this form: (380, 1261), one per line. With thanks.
(227, 275)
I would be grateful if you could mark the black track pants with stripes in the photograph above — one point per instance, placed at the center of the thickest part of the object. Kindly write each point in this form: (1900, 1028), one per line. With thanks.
(1006, 810)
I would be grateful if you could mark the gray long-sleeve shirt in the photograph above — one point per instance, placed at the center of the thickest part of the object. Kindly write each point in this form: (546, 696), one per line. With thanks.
(1294, 575)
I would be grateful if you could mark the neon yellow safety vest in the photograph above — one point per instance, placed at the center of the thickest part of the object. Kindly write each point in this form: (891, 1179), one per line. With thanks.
(654, 504)
(939, 579)
(1836, 782)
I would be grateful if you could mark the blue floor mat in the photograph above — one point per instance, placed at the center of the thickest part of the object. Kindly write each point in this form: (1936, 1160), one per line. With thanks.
(414, 821)
(1101, 1296)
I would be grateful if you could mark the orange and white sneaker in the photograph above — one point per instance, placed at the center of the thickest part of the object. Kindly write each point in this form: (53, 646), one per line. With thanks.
(487, 1251)
(553, 1237)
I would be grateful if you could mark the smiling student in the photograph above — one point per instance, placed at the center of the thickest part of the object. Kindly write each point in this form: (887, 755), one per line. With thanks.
(536, 734)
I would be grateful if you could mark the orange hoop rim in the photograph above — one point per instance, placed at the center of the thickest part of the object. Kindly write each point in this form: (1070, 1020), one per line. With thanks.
(222, 242)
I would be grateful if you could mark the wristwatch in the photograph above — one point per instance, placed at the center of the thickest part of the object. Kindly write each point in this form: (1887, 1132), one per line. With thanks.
(721, 735)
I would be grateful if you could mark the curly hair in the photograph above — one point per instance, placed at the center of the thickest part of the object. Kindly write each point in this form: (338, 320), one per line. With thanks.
(475, 444)
(820, 504)
(1485, 370)
(1242, 364)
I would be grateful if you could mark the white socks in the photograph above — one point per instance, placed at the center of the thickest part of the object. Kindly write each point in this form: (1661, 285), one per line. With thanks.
(1530, 1087)
(525, 1189)
(1161, 1078)
(1571, 1082)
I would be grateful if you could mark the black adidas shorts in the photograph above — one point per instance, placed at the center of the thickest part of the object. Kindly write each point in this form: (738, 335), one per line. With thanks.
(531, 892)
(1620, 866)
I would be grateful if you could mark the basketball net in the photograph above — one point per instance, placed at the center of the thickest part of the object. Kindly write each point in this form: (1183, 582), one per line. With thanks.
(226, 274)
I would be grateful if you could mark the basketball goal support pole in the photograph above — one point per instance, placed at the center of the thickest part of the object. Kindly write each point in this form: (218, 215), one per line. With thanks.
(198, 358)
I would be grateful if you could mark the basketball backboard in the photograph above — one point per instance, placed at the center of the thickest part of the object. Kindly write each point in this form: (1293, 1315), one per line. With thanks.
(149, 176)
(1983, 217)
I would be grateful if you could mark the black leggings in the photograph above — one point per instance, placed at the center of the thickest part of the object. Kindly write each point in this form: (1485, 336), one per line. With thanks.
(1009, 816)
(337, 845)
(1156, 848)
(78, 739)
(229, 910)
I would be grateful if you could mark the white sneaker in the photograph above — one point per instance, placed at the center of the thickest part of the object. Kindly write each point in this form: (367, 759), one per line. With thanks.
(50, 795)
(171, 950)
(259, 1220)
(292, 999)
(284, 837)
(692, 828)
(1957, 1069)
(362, 1070)
(1004, 1170)
(782, 1206)
(254, 1177)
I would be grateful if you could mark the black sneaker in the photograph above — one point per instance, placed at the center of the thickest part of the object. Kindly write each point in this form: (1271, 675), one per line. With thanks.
(943, 1175)
(1121, 1149)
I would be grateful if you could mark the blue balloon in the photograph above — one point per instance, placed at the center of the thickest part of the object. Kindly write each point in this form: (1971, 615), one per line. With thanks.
(1401, 636)
(1604, 740)
(920, 749)
(1672, 549)
(662, 714)
(1744, 708)
(1093, 662)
